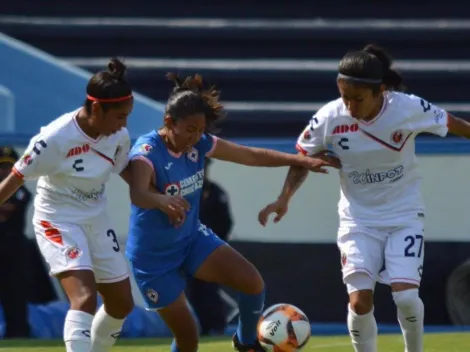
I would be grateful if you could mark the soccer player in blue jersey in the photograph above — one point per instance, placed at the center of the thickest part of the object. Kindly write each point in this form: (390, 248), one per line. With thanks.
(167, 242)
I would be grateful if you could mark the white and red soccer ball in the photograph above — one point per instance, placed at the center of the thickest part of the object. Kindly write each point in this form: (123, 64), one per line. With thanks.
(283, 328)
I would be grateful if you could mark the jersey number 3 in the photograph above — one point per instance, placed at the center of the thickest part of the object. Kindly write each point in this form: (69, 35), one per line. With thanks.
(114, 239)
(76, 165)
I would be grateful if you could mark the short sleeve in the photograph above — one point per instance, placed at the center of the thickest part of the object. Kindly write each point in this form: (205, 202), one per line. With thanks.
(142, 150)
(122, 153)
(426, 117)
(312, 138)
(41, 158)
(207, 144)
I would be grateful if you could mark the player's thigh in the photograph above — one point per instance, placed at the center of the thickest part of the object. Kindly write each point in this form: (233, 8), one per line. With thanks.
(361, 252)
(159, 287)
(404, 255)
(64, 246)
(108, 260)
(111, 269)
(179, 318)
(212, 259)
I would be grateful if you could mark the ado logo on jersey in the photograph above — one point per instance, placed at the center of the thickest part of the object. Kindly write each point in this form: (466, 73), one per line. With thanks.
(172, 189)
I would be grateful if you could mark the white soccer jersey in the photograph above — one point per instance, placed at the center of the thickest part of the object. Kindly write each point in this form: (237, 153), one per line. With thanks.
(72, 169)
(380, 182)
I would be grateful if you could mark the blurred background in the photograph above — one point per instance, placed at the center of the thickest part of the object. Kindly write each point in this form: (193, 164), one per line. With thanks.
(275, 62)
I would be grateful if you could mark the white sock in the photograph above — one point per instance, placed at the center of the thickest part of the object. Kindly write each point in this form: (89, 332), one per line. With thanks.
(411, 318)
(77, 331)
(104, 331)
(363, 331)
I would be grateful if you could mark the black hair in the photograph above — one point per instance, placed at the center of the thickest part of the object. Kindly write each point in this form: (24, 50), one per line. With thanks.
(190, 96)
(108, 85)
(370, 64)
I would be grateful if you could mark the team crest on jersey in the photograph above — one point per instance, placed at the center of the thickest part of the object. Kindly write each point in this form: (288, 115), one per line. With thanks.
(152, 295)
(307, 135)
(145, 148)
(397, 136)
(73, 253)
(172, 189)
(344, 259)
(193, 155)
(26, 159)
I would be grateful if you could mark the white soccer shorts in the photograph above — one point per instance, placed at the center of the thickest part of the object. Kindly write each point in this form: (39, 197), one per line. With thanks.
(387, 255)
(95, 247)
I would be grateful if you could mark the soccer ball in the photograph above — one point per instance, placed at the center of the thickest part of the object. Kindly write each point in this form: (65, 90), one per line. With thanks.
(283, 328)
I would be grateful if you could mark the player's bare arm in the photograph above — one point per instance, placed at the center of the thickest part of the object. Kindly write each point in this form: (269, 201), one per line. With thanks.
(458, 126)
(126, 174)
(143, 196)
(250, 156)
(9, 186)
(295, 178)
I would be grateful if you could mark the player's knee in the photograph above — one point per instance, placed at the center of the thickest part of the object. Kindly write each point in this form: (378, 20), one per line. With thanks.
(117, 298)
(120, 307)
(84, 300)
(254, 284)
(361, 302)
(407, 300)
(361, 292)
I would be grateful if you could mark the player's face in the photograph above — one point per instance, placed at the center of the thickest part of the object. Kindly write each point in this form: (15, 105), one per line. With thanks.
(186, 132)
(114, 119)
(362, 102)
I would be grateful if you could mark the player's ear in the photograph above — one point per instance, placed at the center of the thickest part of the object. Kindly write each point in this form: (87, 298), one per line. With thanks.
(96, 109)
(168, 121)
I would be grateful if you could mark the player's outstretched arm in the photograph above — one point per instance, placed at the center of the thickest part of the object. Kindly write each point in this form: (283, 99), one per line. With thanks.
(294, 179)
(250, 156)
(9, 186)
(458, 126)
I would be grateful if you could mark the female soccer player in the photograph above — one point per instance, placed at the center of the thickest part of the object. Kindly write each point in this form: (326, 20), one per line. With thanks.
(73, 158)
(167, 242)
(371, 128)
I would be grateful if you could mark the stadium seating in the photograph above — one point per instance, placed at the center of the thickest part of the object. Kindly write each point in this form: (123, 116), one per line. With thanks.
(298, 58)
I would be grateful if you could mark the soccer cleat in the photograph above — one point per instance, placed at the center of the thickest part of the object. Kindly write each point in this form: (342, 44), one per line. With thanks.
(238, 346)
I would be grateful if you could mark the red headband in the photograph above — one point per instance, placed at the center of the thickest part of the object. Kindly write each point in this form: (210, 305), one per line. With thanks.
(109, 100)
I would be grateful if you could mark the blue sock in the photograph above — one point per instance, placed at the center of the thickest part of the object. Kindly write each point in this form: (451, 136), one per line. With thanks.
(251, 308)
(174, 348)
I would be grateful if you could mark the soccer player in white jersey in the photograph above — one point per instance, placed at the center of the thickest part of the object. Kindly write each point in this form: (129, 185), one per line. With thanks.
(371, 128)
(73, 158)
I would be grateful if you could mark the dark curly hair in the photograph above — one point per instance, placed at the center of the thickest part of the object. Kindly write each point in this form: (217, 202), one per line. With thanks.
(191, 96)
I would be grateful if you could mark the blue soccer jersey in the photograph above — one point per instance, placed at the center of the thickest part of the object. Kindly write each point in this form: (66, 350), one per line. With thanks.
(160, 254)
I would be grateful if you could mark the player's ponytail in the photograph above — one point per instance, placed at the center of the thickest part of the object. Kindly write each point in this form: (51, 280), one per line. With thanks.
(370, 67)
(391, 78)
(117, 69)
(190, 96)
(108, 88)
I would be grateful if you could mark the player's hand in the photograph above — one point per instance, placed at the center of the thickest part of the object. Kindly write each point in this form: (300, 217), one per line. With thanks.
(175, 207)
(318, 162)
(279, 207)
